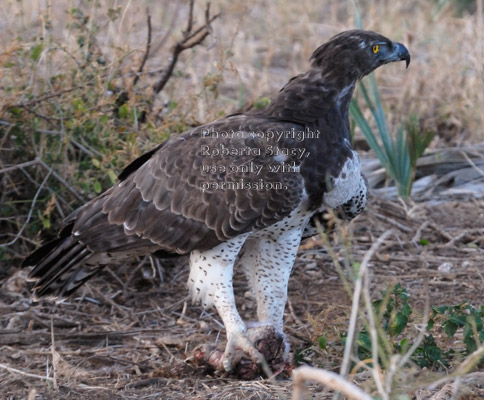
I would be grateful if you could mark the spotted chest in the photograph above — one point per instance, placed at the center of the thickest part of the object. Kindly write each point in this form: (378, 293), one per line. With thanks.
(348, 196)
(357, 203)
(346, 185)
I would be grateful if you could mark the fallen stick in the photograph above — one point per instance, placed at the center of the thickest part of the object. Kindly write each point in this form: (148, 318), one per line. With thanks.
(328, 378)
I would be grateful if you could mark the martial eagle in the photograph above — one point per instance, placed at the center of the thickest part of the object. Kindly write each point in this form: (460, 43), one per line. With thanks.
(244, 206)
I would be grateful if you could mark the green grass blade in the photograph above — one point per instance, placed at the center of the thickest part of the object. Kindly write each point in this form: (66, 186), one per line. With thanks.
(367, 132)
(378, 113)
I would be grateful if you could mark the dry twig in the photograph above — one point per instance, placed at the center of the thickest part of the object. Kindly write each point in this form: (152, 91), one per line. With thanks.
(328, 378)
(61, 180)
(22, 165)
(356, 301)
(190, 39)
(40, 99)
(55, 357)
(34, 200)
(23, 373)
(147, 51)
(376, 370)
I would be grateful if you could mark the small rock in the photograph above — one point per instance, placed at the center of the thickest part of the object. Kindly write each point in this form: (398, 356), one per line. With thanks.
(445, 267)
(311, 266)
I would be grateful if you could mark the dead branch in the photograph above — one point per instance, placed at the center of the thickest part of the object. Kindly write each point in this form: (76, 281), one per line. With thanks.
(22, 165)
(34, 200)
(55, 356)
(61, 180)
(41, 98)
(51, 191)
(16, 371)
(328, 378)
(191, 38)
(147, 51)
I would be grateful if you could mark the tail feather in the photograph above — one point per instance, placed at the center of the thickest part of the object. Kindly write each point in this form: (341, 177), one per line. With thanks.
(86, 244)
(55, 263)
(58, 263)
(55, 279)
(77, 279)
(51, 257)
(39, 254)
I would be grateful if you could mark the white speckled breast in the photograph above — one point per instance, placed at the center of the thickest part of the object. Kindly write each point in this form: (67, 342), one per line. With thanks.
(346, 185)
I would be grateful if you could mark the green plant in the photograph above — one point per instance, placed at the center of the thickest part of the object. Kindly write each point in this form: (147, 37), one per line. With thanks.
(397, 153)
(463, 316)
(393, 312)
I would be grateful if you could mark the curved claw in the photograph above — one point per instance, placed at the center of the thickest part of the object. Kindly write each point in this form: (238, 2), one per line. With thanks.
(240, 340)
(249, 353)
(269, 341)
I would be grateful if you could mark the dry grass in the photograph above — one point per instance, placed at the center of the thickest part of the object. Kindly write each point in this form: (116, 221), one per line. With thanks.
(268, 43)
(130, 333)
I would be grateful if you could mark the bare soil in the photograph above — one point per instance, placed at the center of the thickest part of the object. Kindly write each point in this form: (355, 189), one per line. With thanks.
(131, 331)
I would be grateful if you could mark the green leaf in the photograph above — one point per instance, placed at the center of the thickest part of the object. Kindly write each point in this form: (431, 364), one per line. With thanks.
(96, 162)
(433, 353)
(261, 103)
(396, 152)
(404, 345)
(112, 176)
(81, 40)
(97, 186)
(424, 242)
(398, 324)
(46, 222)
(364, 341)
(172, 105)
(450, 328)
(123, 111)
(15, 111)
(368, 133)
(418, 140)
(406, 310)
(322, 342)
(79, 105)
(440, 309)
(36, 51)
(458, 319)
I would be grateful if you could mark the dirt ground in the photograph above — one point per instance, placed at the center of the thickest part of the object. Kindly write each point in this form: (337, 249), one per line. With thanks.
(131, 331)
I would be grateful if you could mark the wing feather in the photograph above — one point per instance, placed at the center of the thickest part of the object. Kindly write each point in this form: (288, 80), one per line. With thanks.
(164, 200)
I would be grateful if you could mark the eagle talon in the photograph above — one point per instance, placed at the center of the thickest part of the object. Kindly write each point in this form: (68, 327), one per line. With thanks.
(270, 342)
(240, 340)
(227, 364)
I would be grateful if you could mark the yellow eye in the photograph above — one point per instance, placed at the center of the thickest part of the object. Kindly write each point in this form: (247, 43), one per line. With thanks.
(375, 48)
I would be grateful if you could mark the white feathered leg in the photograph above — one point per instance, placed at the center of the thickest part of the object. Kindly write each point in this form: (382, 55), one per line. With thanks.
(268, 262)
(210, 283)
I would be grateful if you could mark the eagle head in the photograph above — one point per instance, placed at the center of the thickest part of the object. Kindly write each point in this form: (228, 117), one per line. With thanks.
(356, 53)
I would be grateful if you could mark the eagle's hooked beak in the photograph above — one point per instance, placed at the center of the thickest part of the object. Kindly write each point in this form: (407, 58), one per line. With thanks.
(400, 52)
